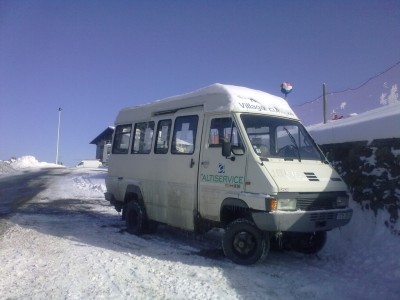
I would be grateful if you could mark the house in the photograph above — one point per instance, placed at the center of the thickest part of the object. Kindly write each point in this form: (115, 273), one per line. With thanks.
(103, 144)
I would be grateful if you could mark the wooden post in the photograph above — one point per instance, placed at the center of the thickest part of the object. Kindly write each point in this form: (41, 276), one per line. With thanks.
(324, 101)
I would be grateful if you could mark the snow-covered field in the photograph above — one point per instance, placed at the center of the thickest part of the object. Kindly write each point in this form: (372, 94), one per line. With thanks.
(68, 243)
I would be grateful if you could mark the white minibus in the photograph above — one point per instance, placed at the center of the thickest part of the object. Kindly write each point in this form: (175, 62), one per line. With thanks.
(225, 157)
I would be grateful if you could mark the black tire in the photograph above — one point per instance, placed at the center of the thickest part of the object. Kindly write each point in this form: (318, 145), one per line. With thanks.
(151, 226)
(135, 217)
(244, 243)
(309, 243)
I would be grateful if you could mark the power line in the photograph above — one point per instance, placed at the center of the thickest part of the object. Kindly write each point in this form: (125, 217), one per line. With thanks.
(352, 89)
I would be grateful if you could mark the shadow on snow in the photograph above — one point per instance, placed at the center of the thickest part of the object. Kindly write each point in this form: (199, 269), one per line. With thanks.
(94, 222)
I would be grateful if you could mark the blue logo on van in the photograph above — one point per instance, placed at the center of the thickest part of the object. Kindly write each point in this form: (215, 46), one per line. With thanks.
(221, 168)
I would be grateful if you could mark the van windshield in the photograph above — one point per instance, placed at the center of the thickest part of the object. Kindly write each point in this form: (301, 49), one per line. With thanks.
(273, 137)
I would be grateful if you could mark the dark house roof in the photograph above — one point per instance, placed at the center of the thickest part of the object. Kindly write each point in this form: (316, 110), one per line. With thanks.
(107, 133)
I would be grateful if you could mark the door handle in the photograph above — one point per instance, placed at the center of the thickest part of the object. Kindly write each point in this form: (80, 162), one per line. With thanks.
(120, 178)
(192, 163)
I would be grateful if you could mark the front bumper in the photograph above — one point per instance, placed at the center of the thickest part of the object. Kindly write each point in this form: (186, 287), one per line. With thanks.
(302, 221)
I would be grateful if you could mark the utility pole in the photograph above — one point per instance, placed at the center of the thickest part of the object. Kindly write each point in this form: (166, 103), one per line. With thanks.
(58, 132)
(324, 101)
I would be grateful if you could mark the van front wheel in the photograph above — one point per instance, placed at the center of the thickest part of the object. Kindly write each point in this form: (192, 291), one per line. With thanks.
(135, 218)
(244, 243)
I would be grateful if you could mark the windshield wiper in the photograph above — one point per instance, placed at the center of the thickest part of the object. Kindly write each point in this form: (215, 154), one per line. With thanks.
(294, 142)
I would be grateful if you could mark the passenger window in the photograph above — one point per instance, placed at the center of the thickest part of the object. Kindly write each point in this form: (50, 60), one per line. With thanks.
(184, 137)
(122, 139)
(143, 137)
(162, 138)
(221, 130)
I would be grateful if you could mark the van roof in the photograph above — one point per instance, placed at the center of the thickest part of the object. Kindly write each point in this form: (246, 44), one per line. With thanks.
(214, 98)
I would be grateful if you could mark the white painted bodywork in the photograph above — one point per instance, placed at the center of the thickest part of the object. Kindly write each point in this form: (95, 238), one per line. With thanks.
(177, 187)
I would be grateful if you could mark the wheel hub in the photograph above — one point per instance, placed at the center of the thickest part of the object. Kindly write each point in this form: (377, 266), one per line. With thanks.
(244, 243)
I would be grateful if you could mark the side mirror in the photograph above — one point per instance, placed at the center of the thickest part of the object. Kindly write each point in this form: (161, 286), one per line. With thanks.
(226, 149)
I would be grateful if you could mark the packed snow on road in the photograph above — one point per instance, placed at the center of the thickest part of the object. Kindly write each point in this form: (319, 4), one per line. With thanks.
(67, 242)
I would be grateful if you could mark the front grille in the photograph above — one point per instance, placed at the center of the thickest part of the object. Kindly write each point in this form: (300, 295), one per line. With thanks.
(321, 217)
(316, 201)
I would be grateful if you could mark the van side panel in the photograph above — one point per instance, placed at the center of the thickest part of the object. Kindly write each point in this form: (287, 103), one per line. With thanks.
(177, 170)
(167, 176)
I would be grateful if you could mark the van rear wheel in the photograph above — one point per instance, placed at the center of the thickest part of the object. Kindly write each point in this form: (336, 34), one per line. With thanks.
(244, 243)
(135, 218)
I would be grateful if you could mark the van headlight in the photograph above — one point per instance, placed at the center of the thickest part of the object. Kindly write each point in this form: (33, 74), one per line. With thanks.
(287, 204)
(342, 201)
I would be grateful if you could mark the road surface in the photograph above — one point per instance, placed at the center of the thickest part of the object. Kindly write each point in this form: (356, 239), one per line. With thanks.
(18, 189)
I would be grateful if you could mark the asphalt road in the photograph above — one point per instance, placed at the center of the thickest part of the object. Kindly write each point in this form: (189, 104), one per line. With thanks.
(18, 189)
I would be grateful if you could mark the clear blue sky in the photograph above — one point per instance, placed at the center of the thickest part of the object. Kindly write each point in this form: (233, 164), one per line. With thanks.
(94, 57)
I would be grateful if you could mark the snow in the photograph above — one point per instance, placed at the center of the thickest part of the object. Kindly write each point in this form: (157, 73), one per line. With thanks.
(214, 98)
(69, 243)
(24, 162)
(379, 123)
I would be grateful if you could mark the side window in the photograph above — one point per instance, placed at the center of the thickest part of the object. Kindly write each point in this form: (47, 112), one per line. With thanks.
(184, 137)
(162, 137)
(222, 129)
(122, 138)
(142, 138)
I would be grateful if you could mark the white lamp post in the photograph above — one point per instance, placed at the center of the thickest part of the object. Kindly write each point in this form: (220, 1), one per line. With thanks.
(58, 131)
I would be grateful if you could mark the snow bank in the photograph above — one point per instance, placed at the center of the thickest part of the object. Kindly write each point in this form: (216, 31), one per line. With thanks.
(24, 162)
(5, 167)
(366, 244)
(380, 123)
(91, 184)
